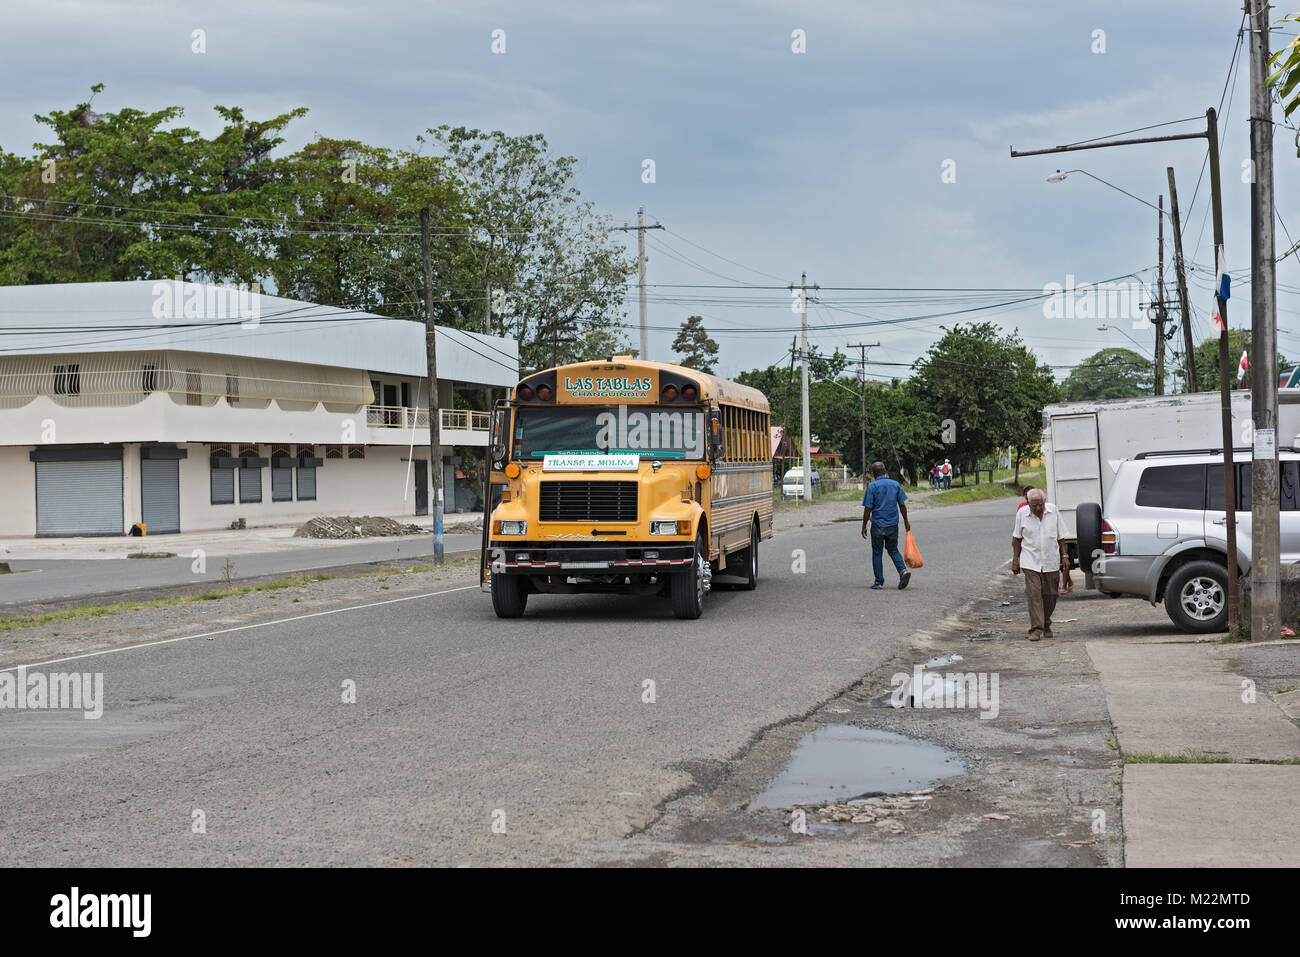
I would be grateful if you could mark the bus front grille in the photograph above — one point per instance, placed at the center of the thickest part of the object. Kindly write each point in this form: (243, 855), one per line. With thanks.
(587, 502)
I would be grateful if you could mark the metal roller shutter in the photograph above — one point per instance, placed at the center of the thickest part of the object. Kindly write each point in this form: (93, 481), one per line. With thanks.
(306, 483)
(160, 495)
(281, 484)
(250, 485)
(79, 498)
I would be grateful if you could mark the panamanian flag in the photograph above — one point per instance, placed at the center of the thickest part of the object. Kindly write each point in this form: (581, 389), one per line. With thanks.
(1217, 326)
(1242, 366)
(1224, 283)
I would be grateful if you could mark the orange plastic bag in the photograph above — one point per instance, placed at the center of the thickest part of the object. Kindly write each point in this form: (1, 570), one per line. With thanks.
(911, 554)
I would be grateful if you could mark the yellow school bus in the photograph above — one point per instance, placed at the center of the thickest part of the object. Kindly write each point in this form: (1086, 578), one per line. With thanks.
(629, 477)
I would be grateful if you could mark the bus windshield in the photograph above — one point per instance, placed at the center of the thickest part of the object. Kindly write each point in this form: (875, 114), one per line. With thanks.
(645, 430)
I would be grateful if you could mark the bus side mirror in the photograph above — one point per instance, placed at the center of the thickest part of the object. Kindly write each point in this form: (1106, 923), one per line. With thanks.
(499, 436)
(715, 433)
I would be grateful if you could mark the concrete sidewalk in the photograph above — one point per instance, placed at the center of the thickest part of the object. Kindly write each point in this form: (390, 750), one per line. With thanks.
(1202, 728)
(248, 541)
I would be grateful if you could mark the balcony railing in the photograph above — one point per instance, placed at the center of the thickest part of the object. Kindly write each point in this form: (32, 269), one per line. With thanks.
(406, 417)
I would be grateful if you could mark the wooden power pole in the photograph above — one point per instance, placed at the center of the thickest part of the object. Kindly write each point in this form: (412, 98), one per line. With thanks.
(1180, 274)
(1160, 306)
(435, 412)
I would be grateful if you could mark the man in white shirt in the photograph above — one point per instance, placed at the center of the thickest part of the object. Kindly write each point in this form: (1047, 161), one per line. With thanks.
(1038, 551)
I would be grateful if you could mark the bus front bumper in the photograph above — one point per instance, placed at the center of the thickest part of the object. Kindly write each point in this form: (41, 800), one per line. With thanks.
(521, 558)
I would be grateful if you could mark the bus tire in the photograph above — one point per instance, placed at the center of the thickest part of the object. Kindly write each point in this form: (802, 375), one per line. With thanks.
(688, 586)
(509, 595)
(750, 556)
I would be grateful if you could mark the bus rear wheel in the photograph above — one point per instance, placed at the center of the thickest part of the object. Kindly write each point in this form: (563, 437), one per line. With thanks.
(688, 587)
(750, 557)
(509, 595)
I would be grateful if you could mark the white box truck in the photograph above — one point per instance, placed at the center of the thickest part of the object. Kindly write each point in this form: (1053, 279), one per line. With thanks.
(1084, 442)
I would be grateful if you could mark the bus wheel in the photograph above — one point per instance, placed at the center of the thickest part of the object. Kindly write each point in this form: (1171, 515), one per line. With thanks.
(750, 575)
(689, 586)
(509, 595)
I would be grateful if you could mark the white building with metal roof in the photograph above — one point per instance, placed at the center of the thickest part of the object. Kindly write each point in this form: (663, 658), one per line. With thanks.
(188, 406)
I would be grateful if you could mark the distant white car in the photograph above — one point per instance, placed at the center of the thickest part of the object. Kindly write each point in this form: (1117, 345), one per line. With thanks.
(792, 483)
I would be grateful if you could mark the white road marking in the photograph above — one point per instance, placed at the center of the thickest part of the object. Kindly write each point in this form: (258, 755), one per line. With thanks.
(226, 631)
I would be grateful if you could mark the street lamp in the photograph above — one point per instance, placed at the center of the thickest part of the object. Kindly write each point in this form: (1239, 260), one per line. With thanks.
(1106, 328)
(1060, 175)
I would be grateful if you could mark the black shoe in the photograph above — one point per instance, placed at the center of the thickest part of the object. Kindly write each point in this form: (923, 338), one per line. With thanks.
(903, 579)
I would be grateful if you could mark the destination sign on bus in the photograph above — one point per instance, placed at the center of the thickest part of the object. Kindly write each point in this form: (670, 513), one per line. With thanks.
(603, 387)
(578, 462)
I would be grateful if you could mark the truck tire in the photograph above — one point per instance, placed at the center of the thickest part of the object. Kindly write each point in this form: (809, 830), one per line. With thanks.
(1087, 533)
(1196, 597)
(688, 586)
(509, 595)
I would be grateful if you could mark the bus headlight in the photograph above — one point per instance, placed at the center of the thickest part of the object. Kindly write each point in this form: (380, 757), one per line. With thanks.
(670, 528)
(512, 528)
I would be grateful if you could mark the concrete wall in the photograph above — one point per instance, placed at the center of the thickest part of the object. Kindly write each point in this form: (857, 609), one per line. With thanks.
(375, 485)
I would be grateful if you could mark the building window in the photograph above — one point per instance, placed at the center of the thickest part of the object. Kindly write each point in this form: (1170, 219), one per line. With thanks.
(250, 476)
(193, 386)
(222, 478)
(232, 389)
(356, 451)
(67, 378)
(149, 378)
(281, 474)
(333, 451)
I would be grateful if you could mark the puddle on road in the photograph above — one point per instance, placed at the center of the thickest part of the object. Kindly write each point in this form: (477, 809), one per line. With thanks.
(841, 761)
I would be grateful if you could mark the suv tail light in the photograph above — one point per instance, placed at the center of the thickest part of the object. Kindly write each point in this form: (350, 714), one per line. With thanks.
(1109, 540)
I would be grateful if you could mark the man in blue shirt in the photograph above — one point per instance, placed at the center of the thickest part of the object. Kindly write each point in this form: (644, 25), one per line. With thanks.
(881, 506)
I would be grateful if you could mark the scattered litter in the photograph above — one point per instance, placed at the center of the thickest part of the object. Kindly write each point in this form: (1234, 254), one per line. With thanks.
(1077, 843)
(838, 710)
(1004, 604)
(1037, 732)
(998, 817)
(348, 526)
(942, 661)
(984, 635)
(1062, 621)
(1288, 633)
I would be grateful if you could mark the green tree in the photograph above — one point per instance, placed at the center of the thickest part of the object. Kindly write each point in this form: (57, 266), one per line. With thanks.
(695, 347)
(1207, 362)
(1110, 374)
(985, 388)
(1285, 77)
(127, 195)
(560, 272)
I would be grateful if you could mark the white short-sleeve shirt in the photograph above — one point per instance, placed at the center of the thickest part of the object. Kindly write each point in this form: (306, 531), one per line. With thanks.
(1040, 539)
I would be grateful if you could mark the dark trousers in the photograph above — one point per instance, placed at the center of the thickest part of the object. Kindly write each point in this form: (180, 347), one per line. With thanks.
(1041, 590)
(885, 538)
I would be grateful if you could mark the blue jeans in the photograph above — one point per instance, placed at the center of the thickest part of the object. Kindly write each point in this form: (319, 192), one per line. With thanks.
(885, 538)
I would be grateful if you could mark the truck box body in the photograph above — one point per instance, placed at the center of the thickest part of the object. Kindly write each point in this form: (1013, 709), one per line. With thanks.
(1083, 442)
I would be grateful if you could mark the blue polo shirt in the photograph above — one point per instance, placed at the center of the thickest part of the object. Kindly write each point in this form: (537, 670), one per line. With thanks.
(882, 497)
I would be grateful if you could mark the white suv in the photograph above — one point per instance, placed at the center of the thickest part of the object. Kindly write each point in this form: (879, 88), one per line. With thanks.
(1163, 536)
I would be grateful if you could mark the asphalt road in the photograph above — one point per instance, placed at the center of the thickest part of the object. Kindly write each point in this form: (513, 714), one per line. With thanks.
(461, 720)
(40, 580)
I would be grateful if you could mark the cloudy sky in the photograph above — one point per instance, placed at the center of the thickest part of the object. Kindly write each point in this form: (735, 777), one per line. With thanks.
(877, 158)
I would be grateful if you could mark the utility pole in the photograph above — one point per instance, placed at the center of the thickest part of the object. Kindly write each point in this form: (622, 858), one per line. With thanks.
(1160, 307)
(803, 377)
(1265, 554)
(1180, 273)
(435, 412)
(789, 383)
(1225, 380)
(862, 347)
(1211, 135)
(640, 228)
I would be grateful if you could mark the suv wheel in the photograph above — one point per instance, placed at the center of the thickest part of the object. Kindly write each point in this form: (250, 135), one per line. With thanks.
(1196, 597)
